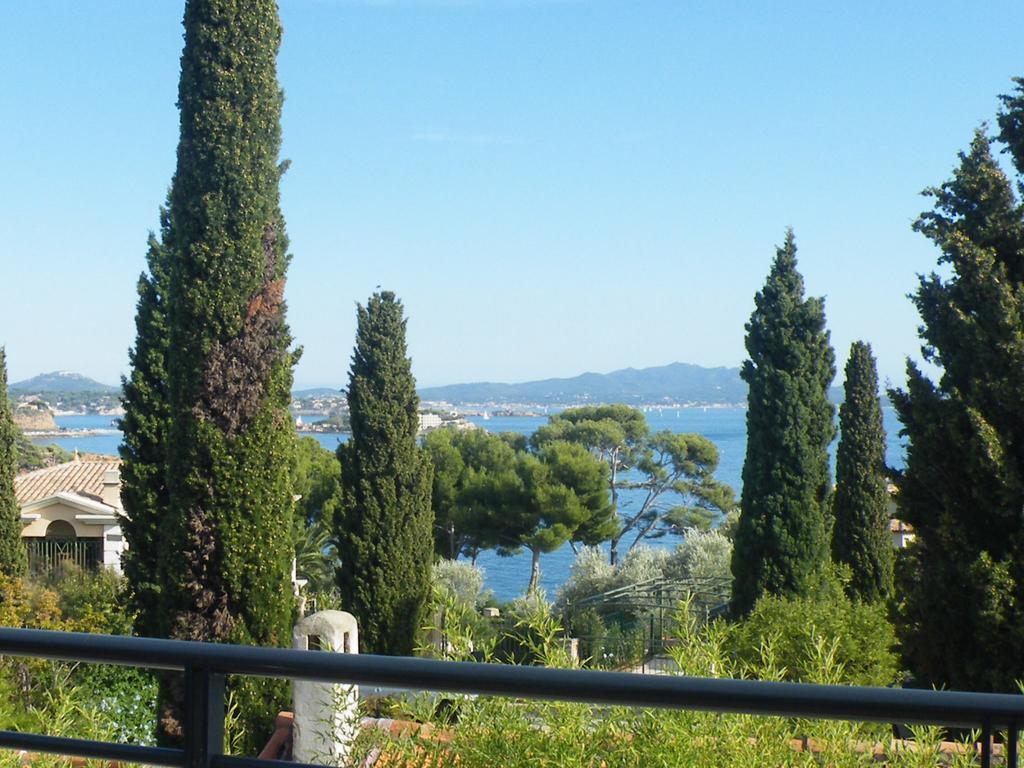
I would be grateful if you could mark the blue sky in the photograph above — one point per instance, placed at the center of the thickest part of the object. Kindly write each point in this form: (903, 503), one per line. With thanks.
(551, 186)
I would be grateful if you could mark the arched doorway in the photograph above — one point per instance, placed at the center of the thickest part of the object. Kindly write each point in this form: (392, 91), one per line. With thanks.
(60, 547)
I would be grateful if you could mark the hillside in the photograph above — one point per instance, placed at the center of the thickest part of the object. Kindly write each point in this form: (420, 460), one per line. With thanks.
(63, 382)
(677, 382)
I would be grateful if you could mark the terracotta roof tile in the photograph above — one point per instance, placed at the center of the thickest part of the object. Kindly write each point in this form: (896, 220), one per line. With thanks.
(82, 477)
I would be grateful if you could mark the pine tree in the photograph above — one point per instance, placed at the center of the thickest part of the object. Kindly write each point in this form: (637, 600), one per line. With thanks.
(385, 526)
(227, 550)
(961, 582)
(860, 537)
(782, 539)
(144, 448)
(13, 558)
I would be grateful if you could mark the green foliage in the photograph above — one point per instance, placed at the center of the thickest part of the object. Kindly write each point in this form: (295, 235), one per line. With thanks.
(961, 612)
(782, 540)
(120, 700)
(560, 498)
(617, 631)
(385, 523)
(798, 630)
(13, 557)
(93, 601)
(224, 531)
(31, 456)
(676, 484)
(860, 536)
(143, 450)
(52, 703)
(703, 557)
(474, 476)
(462, 580)
(487, 731)
(316, 481)
(316, 478)
(494, 492)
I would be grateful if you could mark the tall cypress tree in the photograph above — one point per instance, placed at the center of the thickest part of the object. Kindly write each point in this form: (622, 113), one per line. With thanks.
(13, 558)
(782, 540)
(144, 447)
(226, 558)
(860, 537)
(385, 525)
(961, 582)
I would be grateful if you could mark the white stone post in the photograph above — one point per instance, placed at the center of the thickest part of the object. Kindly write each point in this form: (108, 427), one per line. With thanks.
(326, 715)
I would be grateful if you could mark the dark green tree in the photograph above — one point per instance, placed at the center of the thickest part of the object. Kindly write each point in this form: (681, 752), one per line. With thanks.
(227, 544)
(385, 524)
(144, 447)
(961, 582)
(560, 497)
(474, 471)
(860, 535)
(13, 558)
(615, 434)
(782, 539)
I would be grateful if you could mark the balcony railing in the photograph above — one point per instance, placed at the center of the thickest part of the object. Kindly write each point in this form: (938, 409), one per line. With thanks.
(50, 557)
(205, 666)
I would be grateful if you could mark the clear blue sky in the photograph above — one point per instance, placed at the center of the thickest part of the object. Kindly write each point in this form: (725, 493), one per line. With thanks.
(551, 186)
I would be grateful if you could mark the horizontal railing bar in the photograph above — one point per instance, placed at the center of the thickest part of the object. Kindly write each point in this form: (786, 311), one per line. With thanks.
(232, 761)
(948, 708)
(99, 750)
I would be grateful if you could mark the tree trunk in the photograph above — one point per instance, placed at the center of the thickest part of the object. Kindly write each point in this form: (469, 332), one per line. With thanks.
(534, 573)
(613, 550)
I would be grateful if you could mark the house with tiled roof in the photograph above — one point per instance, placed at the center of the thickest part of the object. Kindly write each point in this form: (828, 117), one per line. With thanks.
(72, 513)
(902, 533)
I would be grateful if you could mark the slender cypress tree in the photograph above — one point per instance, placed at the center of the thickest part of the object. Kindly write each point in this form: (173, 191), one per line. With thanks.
(961, 582)
(13, 558)
(860, 537)
(385, 525)
(144, 448)
(227, 550)
(782, 539)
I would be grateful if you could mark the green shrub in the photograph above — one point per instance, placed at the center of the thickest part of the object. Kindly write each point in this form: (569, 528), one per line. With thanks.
(860, 635)
(464, 581)
(93, 601)
(123, 699)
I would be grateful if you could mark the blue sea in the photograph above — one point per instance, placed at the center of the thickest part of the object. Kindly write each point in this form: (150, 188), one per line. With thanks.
(508, 576)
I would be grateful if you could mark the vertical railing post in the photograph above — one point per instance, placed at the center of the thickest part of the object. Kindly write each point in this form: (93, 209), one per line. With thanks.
(986, 745)
(1011, 745)
(203, 716)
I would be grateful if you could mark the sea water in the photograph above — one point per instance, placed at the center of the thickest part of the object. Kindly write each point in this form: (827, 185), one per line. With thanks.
(508, 576)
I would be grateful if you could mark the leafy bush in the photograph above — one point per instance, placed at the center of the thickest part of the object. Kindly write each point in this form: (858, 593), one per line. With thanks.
(93, 601)
(462, 580)
(590, 574)
(121, 699)
(859, 634)
(702, 556)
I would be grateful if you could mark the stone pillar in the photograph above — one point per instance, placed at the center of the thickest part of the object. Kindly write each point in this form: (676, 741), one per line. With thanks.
(113, 546)
(326, 717)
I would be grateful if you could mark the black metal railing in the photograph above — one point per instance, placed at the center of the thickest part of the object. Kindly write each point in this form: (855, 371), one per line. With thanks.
(205, 666)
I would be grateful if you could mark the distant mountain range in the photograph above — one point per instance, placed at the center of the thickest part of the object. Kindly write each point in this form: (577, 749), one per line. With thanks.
(677, 383)
(62, 382)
